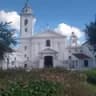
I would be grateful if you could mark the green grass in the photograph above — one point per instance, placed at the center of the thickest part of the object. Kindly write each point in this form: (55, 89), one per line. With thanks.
(91, 72)
(92, 87)
(72, 83)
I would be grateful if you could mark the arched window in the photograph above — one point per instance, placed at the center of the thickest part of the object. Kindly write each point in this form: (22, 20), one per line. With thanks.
(26, 22)
(48, 43)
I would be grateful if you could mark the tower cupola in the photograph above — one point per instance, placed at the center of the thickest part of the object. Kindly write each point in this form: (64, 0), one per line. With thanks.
(27, 8)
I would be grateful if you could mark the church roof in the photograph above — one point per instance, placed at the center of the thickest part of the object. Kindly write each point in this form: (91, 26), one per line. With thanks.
(85, 42)
(81, 56)
(49, 33)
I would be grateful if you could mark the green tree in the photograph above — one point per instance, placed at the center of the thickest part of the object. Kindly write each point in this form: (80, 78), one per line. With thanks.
(90, 32)
(7, 39)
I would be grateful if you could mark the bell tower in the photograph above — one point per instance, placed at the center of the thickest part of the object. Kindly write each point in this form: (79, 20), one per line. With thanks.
(26, 21)
(26, 32)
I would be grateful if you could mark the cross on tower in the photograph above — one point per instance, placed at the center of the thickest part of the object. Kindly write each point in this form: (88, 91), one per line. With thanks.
(26, 3)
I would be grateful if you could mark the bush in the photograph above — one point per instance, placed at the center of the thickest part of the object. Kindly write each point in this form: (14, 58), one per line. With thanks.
(91, 79)
(32, 88)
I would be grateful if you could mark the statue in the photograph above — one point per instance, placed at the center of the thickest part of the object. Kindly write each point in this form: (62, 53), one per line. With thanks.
(73, 40)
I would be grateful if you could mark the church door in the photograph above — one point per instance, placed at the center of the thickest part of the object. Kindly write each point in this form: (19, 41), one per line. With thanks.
(48, 61)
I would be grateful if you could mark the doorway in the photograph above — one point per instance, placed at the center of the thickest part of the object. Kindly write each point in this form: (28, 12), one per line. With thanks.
(48, 61)
(85, 63)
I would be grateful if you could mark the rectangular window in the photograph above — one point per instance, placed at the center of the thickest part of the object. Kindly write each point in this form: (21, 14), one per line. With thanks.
(70, 57)
(25, 47)
(76, 62)
(48, 43)
(25, 55)
(25, 65)
(25, 29)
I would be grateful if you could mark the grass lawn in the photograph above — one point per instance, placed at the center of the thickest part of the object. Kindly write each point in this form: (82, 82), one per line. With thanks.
(70, 83)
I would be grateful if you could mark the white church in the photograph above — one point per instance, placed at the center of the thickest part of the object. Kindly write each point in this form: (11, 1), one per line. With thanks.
(47, 49)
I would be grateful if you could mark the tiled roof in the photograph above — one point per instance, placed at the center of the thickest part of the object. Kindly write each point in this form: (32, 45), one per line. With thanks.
(81, 56)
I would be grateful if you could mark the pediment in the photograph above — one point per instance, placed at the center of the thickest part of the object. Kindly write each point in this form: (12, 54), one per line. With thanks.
(48, 33)
(48, 50)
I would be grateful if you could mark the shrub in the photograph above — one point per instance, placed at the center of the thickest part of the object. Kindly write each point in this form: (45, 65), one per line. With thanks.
(32, 88)
(91, 79)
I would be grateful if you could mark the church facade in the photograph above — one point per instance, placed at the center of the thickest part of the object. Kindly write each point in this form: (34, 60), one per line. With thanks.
(47, 49)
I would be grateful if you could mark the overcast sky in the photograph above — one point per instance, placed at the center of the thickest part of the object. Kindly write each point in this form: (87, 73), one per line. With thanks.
(64, 16)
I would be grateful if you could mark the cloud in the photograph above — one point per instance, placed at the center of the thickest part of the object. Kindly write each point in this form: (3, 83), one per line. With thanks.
(67, 30)
(11, 16)
(62, 28)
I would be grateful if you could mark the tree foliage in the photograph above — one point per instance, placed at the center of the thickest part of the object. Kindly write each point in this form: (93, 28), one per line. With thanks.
(90, 32)
(7, 39)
